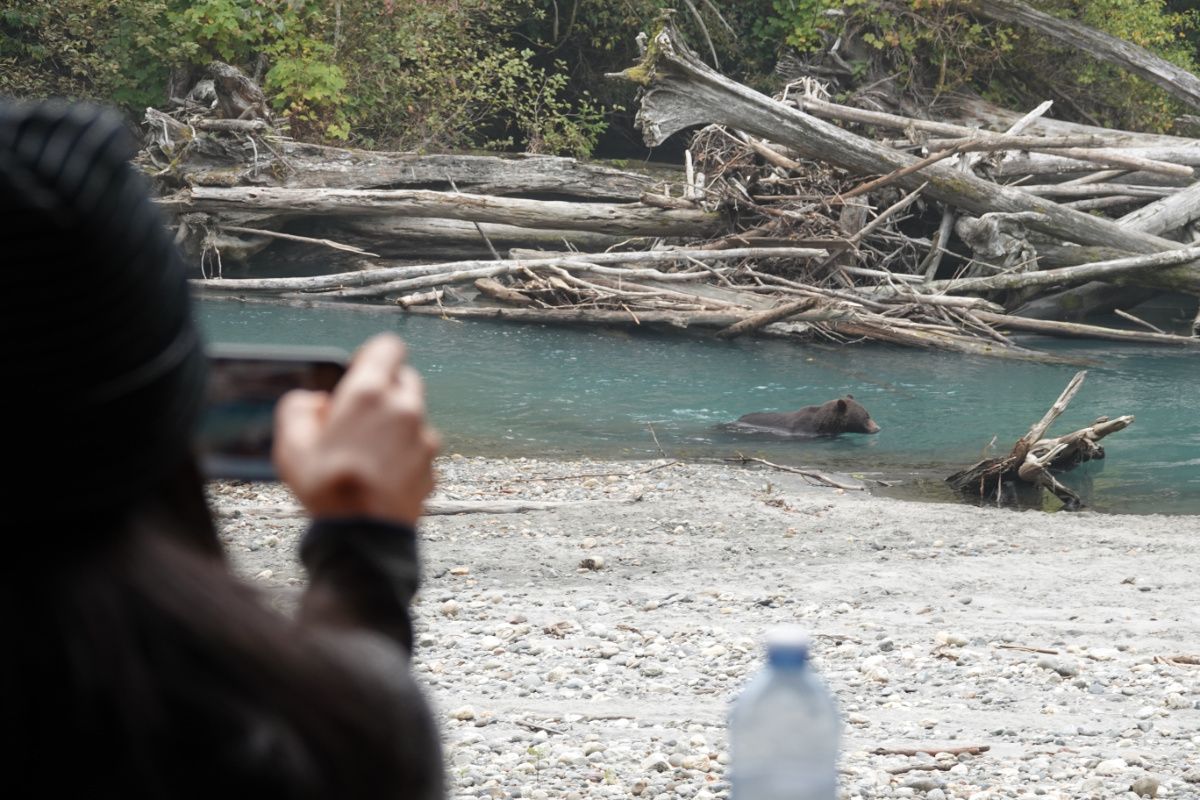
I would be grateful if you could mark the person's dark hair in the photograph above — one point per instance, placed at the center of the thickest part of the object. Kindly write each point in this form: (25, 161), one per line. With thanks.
(134, 662)
(132, 653)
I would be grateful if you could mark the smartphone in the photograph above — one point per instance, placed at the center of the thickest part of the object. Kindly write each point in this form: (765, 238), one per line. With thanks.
(244, 384)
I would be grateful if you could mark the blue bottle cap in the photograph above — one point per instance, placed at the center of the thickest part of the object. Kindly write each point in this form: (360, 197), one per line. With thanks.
(788, 645)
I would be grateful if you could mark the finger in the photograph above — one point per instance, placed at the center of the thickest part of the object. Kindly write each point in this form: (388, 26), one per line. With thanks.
(432, 441)
(409, 392)
(299, 417)
(375, 366)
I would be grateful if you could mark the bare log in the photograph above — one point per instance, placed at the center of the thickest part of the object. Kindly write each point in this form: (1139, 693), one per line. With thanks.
(1174, 80)
(585, 316)
(1068, 158)
(405, 238)
(377, 276)
(973, 111)
(496, 175)
(1065, 276)
(1075, 330)
(1079, 302)
(294, 238)
(311, 166)
(883, 329)
(679, 91)
(497, 291)
(1166, 215)
(1012, 164)
(231, 125)
(419, 298)
(1096, 190)
(614, 218)
(765, 318)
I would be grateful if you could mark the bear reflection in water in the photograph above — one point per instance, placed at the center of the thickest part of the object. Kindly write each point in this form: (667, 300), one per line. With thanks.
(844, 415)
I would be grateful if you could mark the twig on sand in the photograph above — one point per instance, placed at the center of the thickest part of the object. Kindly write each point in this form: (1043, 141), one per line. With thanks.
(528, 478)
(535, 727)
(913, 767)
(971, 750)
(1179, 661)
(820, 478)
(661, 452)
(1025, 649)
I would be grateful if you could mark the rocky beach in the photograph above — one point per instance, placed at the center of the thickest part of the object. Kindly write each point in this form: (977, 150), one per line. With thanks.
(589, 645)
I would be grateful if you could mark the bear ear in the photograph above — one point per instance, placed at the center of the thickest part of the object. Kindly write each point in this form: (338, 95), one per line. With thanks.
(849, 397)
(841, 406)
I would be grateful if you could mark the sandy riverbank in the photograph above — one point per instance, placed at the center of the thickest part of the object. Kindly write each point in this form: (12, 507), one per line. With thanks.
(554, 680)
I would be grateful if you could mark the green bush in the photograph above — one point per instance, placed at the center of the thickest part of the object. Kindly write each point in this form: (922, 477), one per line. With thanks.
(429, 75)
(530, 74)
(938, 47)
(120, 51)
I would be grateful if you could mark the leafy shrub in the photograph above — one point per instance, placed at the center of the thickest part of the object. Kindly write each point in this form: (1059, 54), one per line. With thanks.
(119, 51)
(938, 47)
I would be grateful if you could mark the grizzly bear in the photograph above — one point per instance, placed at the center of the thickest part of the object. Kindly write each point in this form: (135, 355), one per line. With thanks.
(844, 415)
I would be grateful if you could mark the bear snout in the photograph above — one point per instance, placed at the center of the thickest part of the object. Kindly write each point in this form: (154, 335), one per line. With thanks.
(872, 427)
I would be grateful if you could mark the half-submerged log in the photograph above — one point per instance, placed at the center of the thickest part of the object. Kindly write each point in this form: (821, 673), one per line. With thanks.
(1029, 464)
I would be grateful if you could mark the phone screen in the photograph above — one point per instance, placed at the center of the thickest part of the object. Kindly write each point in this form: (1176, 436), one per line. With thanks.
(244, 385)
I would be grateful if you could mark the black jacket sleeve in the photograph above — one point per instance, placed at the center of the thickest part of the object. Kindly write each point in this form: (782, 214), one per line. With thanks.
(372, 566)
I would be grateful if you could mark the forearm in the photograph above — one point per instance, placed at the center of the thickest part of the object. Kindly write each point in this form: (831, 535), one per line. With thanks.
(363, 575)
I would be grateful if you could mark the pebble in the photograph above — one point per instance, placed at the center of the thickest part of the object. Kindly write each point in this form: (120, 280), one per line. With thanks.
(463, 713)
(1063, 666)
(1145, 786)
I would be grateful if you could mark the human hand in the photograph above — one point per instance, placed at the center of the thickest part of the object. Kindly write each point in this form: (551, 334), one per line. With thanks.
(364, 450)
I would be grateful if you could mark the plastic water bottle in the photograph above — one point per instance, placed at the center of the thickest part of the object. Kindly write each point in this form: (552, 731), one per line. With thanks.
(784, 728)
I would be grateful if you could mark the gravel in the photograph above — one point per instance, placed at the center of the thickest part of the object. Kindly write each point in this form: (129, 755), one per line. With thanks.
(591, 650)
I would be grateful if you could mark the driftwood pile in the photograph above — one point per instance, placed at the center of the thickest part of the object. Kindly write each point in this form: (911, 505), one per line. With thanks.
(1027, 469)
(881, 227)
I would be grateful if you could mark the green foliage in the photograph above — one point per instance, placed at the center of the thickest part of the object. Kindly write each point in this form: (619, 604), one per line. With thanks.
(118, 51)
(544, 120)
(937, 47)
(426, 75)
(304, 81)
(1108, 94)
(530, 74)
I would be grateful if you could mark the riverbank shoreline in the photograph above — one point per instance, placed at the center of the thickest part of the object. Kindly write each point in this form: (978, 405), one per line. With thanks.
(589, 647)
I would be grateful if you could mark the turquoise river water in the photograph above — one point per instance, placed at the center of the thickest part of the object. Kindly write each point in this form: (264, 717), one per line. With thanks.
(517, 390)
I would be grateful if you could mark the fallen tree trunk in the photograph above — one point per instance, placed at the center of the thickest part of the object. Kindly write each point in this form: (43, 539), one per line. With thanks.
(972, 110)
(1184, 159)
(1109, 271)
(617, 219)
(399, 237)
(197, 160)
(596, 260)
(679, 91)
(1168, 214)
(1162, 217)
(1074, 330)
(1174, 80)
(654, 319)
(1174, 161)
